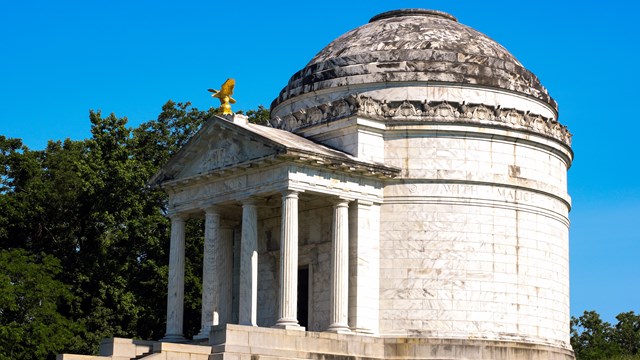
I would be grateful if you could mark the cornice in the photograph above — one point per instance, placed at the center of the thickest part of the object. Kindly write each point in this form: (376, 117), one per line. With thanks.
(425, 111)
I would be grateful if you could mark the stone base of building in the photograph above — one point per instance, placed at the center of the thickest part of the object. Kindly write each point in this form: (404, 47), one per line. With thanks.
(238, 342)
(129, 349)
(235, 342)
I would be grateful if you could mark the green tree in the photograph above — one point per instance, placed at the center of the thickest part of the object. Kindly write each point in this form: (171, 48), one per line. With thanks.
(260, 116)
(627, 332)
(88, 204)
(154, 142)
(592, 338)
(32, 325)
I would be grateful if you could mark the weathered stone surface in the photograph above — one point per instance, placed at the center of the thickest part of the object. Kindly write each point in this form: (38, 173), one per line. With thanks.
(410, 45)
(240, 147)
(212, 279)
(418, 111)
(339, 290)
(248, 308)
(239, 342)
(175, 291)
(288, 299)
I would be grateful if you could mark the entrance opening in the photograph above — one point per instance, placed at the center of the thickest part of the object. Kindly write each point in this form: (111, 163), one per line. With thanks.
(303, 297)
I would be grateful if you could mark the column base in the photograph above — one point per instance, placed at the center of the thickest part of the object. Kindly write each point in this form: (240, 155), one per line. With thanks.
(173, 338)
(362, 331)
(203, 334)
(289, 326)
(244, 323)
(339, 329)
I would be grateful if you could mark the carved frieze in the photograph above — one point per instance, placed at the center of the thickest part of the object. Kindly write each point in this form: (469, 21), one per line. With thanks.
(221, 152)
(437, 111)
(314, 115)
(406, 109)
(369, 106)
(442, 109)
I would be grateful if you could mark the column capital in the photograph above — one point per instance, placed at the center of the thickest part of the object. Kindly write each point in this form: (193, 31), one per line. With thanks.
(178, 216)
(228, 224)
(340, 202)
(209, 209)
(290, 193)
(253, 200)
(360, 202)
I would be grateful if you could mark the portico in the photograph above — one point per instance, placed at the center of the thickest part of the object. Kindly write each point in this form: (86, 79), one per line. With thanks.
(271, 198)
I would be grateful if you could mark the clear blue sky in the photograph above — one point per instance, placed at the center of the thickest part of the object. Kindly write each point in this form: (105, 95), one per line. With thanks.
(59, 59)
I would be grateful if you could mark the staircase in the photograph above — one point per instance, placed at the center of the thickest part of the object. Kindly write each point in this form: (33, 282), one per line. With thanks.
(129, 349)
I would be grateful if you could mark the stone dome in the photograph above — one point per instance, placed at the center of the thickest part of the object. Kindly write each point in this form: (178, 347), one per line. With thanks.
(414, 45)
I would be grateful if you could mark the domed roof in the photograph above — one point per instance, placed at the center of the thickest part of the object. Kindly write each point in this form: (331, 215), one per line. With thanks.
(414, 45)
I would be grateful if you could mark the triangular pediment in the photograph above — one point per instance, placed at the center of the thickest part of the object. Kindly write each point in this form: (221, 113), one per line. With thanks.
(220, 144)
(232, 144)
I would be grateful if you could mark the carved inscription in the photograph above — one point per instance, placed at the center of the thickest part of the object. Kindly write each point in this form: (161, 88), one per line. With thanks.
(458, 189)
(492, 192)
(506, 194)
(515, 195)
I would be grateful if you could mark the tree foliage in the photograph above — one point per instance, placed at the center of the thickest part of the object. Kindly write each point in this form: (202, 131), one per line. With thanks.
(86, 239)
(31, 323)
(594, 339)
(259, 116)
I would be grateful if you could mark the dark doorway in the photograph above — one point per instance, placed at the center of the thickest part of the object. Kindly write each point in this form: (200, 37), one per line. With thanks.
(303, 297)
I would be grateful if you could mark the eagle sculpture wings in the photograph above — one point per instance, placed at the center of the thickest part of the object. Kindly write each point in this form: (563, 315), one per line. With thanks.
(224, 95)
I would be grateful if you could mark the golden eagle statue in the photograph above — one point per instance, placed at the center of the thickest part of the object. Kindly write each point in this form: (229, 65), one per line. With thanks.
(224, 95)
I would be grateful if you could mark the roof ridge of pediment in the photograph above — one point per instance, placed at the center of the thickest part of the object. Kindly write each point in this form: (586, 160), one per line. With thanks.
(212, 151)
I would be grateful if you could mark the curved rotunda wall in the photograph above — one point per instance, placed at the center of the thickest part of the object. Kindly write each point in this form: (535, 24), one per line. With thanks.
(474, 232)
(474, 237)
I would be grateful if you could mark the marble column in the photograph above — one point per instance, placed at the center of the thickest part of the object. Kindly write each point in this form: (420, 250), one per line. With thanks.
(175, 293)
(288, 299)
(210, 272)
(235, 280)
(339, 296)
(225, 276)
(248, 301)
(364, 267)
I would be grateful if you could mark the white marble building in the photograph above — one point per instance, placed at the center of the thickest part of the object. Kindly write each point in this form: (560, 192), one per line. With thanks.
(408, 201)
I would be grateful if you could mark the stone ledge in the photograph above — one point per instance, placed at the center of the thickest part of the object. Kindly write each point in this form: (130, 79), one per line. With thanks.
(127, 349)
(241, 342)
(244, 342)
(82, 357)
(181, 348)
